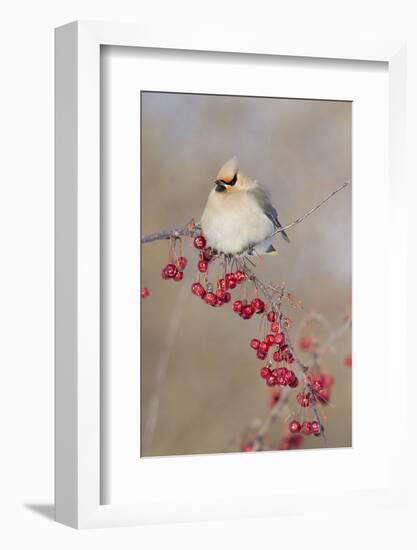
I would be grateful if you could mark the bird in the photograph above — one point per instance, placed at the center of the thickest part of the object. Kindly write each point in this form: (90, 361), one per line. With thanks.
(239, 218)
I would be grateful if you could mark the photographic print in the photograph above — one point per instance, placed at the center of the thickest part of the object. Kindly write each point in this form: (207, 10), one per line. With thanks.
(245, 274)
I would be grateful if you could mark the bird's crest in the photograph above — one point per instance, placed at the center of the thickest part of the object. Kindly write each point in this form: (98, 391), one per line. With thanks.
(228, 171)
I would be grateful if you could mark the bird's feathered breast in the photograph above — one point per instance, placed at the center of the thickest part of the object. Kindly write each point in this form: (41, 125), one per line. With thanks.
(234, 221)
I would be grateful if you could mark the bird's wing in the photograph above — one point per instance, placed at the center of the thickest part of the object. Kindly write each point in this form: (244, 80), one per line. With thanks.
(264, 200)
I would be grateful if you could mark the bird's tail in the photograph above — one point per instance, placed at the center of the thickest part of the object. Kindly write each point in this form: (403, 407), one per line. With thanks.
(283, 234)
(271, 251)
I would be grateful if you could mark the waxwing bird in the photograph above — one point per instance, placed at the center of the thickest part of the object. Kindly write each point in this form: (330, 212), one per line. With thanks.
(239, 217)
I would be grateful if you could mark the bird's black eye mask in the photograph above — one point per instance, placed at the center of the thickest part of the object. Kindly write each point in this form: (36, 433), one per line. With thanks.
(221, 184)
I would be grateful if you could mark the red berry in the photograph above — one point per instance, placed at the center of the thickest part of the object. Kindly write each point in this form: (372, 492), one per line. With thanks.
(307, 428)
(258, 305)
(231, 284)
(294, 382)
(230, 277)
(303, 399)
(279, 338)
(254, 343)
(210, 299)
(227, 297)
(272, 380)
(164, 274)
(265, 372)
(202, 266)
(240, 276)
(179, 275)
(230, 280)
(260, 355)
(247, 312)
(277, 356)
(289, 376)
(181, 263)
(315, 426)
(275, 327)
(144, 292)
(269, 339)
(200, 242)
(294, 426)
(263, 347)
(272, 316)
(198, 290)
(171, 270)
(237, 306)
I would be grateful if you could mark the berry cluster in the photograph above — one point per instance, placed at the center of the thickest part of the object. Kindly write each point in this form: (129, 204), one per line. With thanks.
(274, 344)
(307, 428)
(246, 309)
(274, 347)
(279, 377)
(214, 299)
(212, 296)
(175, 271)
(321, 384)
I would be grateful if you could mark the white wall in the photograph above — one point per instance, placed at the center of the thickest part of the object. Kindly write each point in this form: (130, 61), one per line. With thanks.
(26, 272)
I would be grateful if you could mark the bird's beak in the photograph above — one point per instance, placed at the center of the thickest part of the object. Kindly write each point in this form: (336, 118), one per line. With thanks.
(220, 186)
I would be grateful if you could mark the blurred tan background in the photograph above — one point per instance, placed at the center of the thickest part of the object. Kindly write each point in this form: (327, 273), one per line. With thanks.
(301, 150)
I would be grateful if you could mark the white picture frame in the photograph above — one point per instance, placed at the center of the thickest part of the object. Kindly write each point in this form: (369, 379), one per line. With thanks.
(78, 406)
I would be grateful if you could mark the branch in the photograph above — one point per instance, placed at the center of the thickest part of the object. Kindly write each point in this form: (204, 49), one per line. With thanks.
(192, 229)
(270, 419)
(302, 218)
(300, 366)
(346, 324)
(189, 230)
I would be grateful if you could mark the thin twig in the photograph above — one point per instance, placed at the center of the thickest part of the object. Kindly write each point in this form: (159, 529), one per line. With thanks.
(347, 323)
(302, 218)
(189, 230)
(274, 413)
